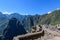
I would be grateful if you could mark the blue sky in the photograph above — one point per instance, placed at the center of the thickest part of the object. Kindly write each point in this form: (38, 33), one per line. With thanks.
(30, 7)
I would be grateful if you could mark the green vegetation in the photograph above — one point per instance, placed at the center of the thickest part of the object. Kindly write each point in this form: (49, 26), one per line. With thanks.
(28, 21)
(52, 18)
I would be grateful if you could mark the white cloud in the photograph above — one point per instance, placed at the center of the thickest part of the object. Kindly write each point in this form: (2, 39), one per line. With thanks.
(7, 12)
(49, 12)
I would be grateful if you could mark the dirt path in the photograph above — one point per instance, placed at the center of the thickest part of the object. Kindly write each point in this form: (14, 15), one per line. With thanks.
(55, 38)
(51, 31)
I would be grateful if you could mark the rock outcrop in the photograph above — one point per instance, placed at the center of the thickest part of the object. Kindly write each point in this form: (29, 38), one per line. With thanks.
(36, 28)
(13, 28)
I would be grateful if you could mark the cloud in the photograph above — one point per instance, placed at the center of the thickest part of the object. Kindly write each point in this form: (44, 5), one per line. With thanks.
(7, 12)
(49, 12)
(53, 10)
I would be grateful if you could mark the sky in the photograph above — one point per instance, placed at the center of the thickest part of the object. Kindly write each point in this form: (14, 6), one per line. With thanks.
(28, 7)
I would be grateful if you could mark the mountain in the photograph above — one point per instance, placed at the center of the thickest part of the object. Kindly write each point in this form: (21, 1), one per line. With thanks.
(3, 22)
(28, 21)
(52, 18)
(2, 16)
(13, 28)
(17, 16)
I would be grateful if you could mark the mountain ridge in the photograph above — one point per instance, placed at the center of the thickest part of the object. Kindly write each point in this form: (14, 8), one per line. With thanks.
(30, 20)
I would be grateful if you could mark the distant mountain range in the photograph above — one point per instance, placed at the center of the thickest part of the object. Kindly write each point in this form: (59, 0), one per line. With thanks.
(30, 20)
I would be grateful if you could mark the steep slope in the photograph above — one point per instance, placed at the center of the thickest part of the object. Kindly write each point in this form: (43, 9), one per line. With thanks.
(17, 16)
(52, 18)
(30, 20)
(13, 28)
(3, 22)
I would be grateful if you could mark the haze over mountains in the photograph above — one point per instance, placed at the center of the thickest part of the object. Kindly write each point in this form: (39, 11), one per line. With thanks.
(30, 20)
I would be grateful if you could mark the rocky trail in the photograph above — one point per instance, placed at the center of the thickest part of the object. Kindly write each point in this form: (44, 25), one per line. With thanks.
(50, 35)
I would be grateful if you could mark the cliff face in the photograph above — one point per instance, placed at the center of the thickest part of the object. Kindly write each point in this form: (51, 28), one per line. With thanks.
(14, 28)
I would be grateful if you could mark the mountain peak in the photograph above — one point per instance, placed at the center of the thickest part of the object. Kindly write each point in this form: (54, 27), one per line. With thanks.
(14, 28)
